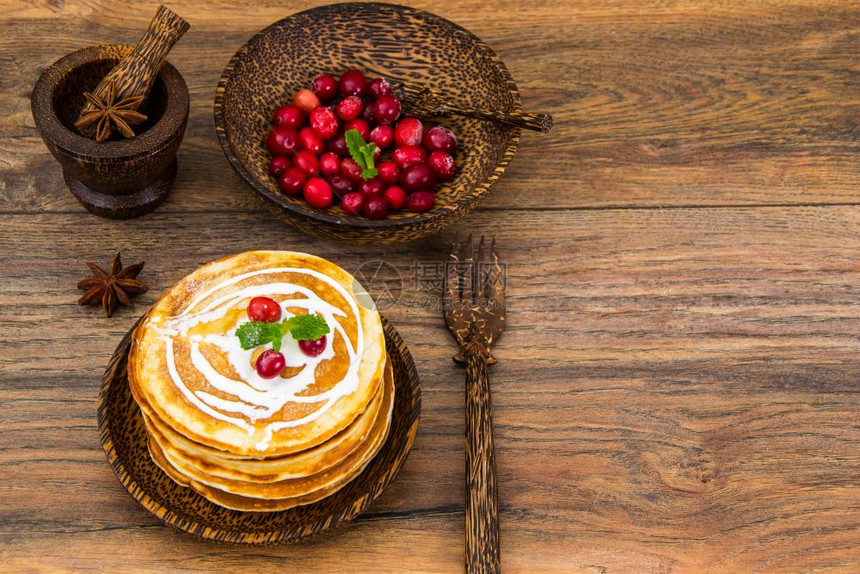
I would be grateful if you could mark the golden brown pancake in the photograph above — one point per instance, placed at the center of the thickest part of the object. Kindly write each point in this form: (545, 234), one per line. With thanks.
(301, 491)
(185, 368)
(244, 441)
(296, 465)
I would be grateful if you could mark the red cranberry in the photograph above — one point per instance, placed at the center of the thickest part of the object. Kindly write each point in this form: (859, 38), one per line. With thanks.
(340, 186)
(282, 140)
(350, 108)
(310, 141)
(270, 364)
(408, 132)
(292, 180)
(290, 116)
(395, 196)
(375, 207)
(337, 145)
(388, 172)
(279, 165)
(407, 155)
(440, 138)
(306, 100)
(350, 170)
(420, 201)
(417, 177)
(325, 87)
(264, 309)
(379, 87)
(313, 348)
(353, 203)
(318, 193)
(373, 186)
(307, 162)
(352, 83)
(329, 164)
(359, 125)
(367, 113)
(386, 110)
(382, 136)
(324, 123)
(442, 164)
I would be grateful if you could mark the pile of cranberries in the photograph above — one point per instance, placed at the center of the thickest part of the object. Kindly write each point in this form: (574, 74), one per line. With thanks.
(271, 363)
(310, 155)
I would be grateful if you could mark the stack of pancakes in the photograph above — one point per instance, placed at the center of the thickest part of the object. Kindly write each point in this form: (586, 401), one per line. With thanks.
(242, 441)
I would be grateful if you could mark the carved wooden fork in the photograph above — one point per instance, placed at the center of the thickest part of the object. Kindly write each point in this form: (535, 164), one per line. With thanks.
(422, 101)
(473, 302)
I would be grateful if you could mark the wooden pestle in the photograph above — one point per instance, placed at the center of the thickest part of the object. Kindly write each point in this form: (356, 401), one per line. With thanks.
(134, 75)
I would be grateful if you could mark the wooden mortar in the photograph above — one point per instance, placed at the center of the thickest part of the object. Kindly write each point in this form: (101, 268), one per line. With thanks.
(120, 178)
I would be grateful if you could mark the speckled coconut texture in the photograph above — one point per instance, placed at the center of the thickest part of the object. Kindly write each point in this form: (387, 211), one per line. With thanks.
(398, 43)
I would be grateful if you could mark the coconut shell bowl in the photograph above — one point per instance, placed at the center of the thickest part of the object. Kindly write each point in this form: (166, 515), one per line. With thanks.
(400, 44)
(117, 178)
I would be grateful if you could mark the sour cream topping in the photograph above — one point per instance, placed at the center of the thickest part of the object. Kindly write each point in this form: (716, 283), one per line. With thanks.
(252, 397)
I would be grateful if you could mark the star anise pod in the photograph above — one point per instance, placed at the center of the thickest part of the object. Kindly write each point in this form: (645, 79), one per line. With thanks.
(110, 113)
(111, 289)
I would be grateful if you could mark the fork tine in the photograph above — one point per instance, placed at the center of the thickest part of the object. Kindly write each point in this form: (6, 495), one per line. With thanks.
(466, 268)
(418, 100)
(412, 90)
(490, 262)
(450, 280)
(478, 268)
(495, 283)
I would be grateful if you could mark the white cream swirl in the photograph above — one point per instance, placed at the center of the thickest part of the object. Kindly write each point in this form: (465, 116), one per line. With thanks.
(257, 398)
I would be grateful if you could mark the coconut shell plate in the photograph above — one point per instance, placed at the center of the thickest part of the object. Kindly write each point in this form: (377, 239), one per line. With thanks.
(395, 42)
(124, 439)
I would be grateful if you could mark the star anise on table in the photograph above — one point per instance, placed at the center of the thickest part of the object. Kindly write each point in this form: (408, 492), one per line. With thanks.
(110, 113)
(111, 289)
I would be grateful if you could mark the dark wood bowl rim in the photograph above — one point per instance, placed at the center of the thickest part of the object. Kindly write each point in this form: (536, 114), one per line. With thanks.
(233, 536)
(150, 142)
(356, 222)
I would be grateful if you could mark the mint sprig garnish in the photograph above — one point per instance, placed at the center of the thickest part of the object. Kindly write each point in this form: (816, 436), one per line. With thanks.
(307, 327)
(256, 333)
(301, 328)
(362, 153)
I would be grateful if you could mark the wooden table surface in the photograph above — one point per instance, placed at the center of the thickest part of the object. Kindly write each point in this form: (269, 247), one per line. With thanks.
(677, 389)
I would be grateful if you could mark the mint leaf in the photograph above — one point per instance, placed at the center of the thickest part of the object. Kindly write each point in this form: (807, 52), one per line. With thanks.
(307, 327)
(277, 336)
(362, 153)
(354, 143)
(369, 170)
(301, 328)
(256, 333)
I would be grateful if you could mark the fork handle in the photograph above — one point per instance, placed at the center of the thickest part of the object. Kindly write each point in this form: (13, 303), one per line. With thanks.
(535, 122)
(482, 504)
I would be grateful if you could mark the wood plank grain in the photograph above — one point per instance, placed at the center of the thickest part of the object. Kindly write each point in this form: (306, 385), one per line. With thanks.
(677, 388)
(678, 104)
(676, 391)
